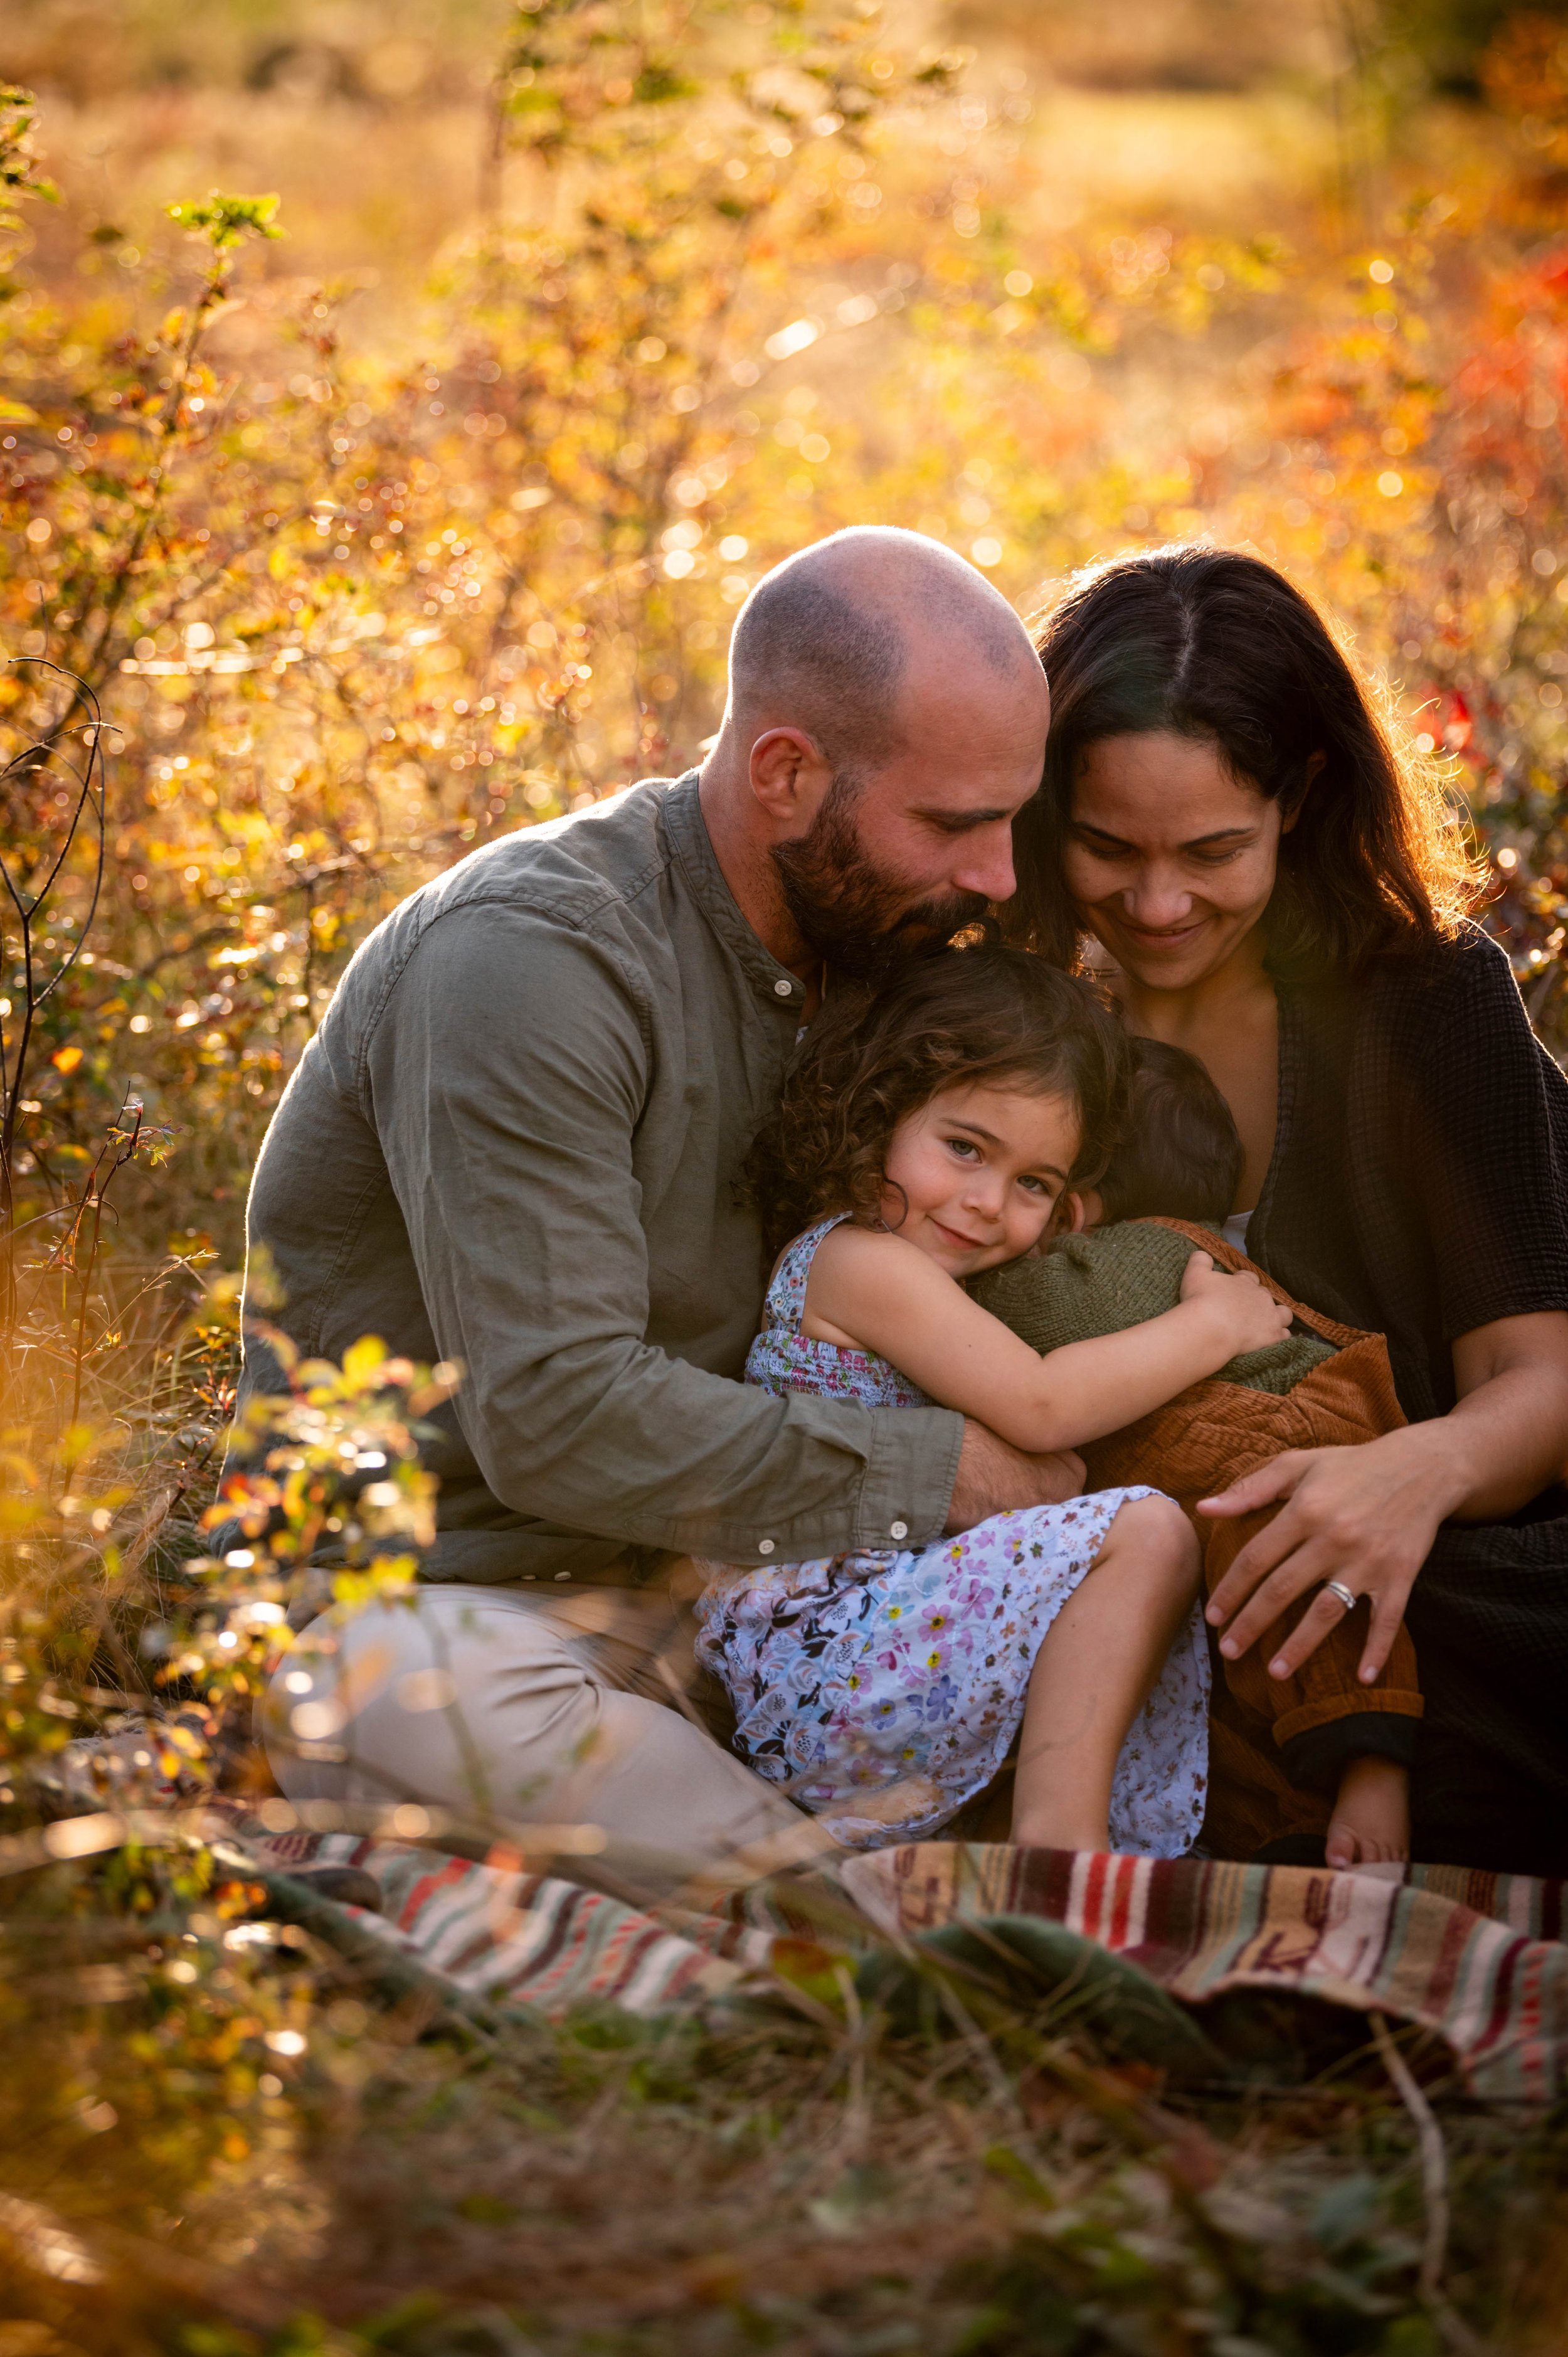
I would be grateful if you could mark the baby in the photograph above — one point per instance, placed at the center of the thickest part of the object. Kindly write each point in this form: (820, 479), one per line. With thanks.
(1304, 1768)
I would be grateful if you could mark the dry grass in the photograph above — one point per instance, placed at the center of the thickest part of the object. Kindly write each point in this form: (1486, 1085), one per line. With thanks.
(763, 2184)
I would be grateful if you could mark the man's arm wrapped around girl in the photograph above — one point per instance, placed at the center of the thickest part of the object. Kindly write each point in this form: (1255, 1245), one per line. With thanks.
(1278, 1746)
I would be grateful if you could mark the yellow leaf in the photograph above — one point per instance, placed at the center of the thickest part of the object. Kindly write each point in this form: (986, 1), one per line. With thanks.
(16, 413)
(361, 1359)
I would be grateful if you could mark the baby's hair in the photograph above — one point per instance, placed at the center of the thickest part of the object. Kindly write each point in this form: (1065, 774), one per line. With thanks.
(979, 1013)
(1181, 1153)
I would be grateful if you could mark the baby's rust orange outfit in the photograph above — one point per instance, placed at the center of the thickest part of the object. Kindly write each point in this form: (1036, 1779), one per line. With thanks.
(1276, 1746)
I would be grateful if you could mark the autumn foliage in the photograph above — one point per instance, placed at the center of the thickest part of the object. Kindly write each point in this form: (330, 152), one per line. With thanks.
(291, 622)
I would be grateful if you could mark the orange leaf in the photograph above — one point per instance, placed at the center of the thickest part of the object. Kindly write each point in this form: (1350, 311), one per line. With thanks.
(66, 1060)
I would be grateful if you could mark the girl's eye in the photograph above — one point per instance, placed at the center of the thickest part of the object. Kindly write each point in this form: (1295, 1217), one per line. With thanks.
(963, 1147)
(1036, 1187)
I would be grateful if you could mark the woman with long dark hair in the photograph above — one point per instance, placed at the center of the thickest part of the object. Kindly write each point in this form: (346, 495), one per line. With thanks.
(1272, 880)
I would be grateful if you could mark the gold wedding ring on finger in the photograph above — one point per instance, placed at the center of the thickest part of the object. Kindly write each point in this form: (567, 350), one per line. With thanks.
(1348, 1595)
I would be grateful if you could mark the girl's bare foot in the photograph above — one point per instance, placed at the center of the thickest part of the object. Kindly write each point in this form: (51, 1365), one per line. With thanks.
(1370, 1824)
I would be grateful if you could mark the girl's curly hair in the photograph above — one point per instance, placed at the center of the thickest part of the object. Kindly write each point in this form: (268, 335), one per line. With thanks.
(978, 1013)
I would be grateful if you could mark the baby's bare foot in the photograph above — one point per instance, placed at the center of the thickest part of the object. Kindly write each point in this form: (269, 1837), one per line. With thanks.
(1370, 1824)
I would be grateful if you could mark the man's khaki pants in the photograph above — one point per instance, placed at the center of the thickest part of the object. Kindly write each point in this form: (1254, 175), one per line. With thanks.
(508, 1708)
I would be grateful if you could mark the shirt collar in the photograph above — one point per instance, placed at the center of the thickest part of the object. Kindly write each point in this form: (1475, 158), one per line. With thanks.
(692, 845)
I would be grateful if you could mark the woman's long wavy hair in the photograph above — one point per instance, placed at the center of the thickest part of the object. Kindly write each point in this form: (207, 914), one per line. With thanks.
(1215, 645)
(979, 1012)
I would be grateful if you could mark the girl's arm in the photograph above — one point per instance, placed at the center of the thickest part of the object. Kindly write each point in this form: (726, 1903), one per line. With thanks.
(877, 1293)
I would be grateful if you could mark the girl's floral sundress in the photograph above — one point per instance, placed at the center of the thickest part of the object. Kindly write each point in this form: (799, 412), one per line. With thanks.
(883, 1688)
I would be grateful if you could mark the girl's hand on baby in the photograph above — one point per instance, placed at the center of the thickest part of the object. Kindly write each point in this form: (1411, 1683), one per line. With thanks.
(1249, 1318)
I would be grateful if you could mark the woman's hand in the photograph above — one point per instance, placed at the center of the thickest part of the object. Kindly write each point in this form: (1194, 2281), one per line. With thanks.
(1247, 1318)
(1364, 1516)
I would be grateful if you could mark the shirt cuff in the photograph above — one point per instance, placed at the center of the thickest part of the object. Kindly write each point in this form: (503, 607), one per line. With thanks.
(907, 1485)
(1321, 1756)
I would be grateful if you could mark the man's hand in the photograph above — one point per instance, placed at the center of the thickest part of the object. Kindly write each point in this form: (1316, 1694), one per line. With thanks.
(993, 1479)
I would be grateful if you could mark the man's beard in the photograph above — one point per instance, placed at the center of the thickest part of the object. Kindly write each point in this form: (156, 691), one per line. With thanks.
(855, 917)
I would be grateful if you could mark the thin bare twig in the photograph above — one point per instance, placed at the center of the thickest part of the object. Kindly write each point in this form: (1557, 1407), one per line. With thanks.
(24, 771)
(1434, 2192)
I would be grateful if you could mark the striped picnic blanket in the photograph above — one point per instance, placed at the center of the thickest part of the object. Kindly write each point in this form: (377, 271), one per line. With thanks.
(1480, 1959)
(490, 1928)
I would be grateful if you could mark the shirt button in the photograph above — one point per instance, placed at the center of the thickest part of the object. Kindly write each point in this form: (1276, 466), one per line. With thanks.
(783, 989)
(899, 1530)
(764, 1546)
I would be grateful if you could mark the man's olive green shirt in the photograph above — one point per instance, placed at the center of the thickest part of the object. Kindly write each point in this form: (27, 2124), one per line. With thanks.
(516, 1142)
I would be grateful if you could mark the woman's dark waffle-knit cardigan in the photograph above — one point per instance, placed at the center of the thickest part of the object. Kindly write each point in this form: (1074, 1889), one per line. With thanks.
(1418, 1188)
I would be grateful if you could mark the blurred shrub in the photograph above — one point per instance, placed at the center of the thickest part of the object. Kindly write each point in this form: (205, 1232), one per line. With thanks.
(749, 273)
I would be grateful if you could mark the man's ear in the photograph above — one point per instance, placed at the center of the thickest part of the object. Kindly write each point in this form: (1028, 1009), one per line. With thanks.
(1295, 800)
(789, 778)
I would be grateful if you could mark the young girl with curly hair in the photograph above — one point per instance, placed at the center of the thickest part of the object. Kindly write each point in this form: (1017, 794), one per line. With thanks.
(925, 1136)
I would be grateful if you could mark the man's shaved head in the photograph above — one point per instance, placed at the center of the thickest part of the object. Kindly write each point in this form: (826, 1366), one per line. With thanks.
(830, 638)
(887, 722)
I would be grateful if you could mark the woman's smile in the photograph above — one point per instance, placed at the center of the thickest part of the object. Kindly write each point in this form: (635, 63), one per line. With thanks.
(1157, 937)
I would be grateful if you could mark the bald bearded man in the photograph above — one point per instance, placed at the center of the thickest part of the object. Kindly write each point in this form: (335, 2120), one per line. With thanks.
(515, 1144)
